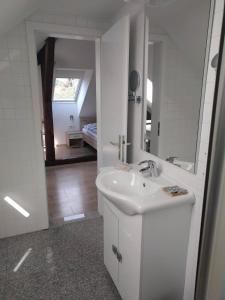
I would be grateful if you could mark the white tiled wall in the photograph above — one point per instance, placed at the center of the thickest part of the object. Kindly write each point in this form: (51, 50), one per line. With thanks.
(21, 163)
(195, 182)
(19, 168)
(180, 104)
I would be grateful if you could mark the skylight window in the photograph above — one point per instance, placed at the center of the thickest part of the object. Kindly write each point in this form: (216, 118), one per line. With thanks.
(66, 89)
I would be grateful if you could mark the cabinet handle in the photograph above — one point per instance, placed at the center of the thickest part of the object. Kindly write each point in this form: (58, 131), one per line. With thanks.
(114, 249)
(116, 253)
(119, 257)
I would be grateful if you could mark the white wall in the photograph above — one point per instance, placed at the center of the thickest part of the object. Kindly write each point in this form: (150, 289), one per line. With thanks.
(137, 36)
(73, 57)
(179, 105)
(62, 123)
(179, 21)
(181, 84)
(99, 25)
(193, 182)
(77, 54)
(87, 94)
(21, 163)
(12, 13)
(88, 108)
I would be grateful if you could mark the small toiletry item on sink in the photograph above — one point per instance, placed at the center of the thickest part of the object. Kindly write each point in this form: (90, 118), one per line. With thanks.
(175, 190)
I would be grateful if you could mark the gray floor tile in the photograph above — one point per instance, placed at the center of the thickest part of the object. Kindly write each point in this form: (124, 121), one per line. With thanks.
(65, 262)
(37, 285)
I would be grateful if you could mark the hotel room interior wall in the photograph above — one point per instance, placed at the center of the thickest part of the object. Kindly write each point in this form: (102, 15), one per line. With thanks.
(179, 105)
(52, 17)
(137, 36)
(89, 106)
(181, 79)
(79, 54)
(75, 54)
(62, 123)
(193, 181)
(87, 78)
(21, 163)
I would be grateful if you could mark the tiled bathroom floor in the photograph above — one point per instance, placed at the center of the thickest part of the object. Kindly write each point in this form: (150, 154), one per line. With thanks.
(64, 262)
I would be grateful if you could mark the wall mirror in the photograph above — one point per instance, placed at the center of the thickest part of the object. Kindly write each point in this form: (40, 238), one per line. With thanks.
(176, 50)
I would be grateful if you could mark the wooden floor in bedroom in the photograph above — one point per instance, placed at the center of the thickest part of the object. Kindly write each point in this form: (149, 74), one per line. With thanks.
(71, 190)
(65, 152)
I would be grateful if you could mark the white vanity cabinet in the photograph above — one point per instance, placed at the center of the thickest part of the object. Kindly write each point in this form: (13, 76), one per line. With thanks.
(122, 236)
(146, 254)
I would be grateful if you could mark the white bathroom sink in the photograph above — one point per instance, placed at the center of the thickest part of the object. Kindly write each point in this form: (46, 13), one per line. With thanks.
(134, 194)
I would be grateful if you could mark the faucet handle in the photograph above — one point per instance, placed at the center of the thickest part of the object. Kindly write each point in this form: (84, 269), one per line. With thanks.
(149, 162)
(152, 168)
(143, 162)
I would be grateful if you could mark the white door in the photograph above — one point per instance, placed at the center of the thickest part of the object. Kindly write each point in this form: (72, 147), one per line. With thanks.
(114, 92)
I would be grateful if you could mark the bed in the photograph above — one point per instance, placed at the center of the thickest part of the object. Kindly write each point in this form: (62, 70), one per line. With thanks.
(89, 130)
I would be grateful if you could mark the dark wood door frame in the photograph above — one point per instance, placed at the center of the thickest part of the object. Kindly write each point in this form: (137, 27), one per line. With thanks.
(46, 60)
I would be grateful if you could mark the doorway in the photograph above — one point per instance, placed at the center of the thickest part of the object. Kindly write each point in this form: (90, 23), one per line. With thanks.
(70, 175)
(68, 99)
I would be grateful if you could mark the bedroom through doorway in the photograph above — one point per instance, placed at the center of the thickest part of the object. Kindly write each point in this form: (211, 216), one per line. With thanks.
(68, 99)
(67, 92)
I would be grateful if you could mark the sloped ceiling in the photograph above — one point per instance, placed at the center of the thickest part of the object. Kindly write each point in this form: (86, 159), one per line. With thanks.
(12, 12)
(186, 22)
(86, 8)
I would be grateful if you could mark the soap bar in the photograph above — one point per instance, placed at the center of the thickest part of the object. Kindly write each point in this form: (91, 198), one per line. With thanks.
(175, 190)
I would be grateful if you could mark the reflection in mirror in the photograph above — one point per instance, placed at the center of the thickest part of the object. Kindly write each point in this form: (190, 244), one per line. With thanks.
(134, 83)
(174, 79)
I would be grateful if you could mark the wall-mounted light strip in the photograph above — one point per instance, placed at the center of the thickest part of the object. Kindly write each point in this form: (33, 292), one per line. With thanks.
(16, 206)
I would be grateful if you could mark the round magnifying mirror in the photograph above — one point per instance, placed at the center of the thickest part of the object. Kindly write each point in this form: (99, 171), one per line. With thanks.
(134, 81)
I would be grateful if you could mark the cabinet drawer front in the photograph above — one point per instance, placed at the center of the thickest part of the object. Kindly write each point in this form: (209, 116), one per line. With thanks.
(75, 136)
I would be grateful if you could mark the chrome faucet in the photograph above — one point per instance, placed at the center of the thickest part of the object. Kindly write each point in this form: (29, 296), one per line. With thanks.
(150, 170)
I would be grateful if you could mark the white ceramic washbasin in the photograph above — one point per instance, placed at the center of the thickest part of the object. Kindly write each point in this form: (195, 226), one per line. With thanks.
(134, 194)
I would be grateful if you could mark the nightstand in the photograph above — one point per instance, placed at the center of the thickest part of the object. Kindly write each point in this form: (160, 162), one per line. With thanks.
(74, 139)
